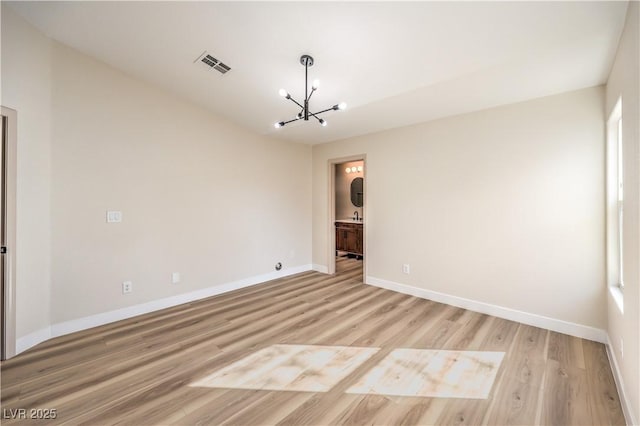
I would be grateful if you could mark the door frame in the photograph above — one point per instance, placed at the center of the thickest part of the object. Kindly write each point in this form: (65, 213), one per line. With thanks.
(8, 344)
(331, 213)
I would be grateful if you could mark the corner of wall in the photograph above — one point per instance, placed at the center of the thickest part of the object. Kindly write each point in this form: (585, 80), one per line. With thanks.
(26, 88)
(627, 408)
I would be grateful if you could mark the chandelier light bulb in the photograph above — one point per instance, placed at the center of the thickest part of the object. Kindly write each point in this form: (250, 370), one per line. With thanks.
(278, 125)
(323, 122)
(283, 93)
(315, 84)
(342, 106)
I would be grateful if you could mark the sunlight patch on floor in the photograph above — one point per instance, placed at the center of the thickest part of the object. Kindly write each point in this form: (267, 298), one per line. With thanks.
(432, 373)
(303, 368)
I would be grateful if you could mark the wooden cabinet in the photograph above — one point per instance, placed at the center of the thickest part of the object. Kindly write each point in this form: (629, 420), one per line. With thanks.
(349, 237)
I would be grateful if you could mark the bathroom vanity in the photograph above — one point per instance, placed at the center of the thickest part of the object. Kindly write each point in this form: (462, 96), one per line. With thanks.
(349, 236)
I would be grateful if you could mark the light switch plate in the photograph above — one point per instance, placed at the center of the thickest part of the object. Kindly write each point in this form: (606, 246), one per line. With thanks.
(175, 277)
(114, 216)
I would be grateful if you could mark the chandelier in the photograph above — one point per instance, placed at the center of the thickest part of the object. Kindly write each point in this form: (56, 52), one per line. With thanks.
(304, 113)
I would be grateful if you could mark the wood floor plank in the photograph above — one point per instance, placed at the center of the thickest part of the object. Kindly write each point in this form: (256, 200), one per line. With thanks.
(500, 336)
(567, 350)
(411, 411)
(527, 358)
(515, 404)
(472, 334)
(145, 370)
(463, 412)
(604, 402)
(269, 410)
(566, 397)
(361, 411)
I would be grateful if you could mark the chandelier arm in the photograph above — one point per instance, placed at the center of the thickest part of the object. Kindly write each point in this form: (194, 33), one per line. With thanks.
(316, 117)
(324, 110)
(311, 94)
(291, 121)
(295, 102)
(320, 120)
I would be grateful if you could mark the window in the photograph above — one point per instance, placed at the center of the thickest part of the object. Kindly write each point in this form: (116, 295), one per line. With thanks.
(615, 205)
(620, 186)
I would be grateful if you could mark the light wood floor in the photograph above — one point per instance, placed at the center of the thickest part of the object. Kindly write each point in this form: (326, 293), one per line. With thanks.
(139, 371)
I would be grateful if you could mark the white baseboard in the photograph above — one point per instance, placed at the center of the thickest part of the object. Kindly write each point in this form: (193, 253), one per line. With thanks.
(32, 339)
(320, 268)
(617, 377)
(560, 326)
(84, 323)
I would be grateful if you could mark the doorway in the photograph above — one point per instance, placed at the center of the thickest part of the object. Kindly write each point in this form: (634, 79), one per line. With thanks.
(348, 217)
(8, 233)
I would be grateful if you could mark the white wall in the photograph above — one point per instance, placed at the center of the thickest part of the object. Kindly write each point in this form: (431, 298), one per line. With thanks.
(502, 206)
(26, 88)
(624, 82)
(199, 195)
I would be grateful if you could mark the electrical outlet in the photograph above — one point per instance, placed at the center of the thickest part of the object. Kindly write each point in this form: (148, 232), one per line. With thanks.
(621, 348)
(175, 278)
(406, 268)
(127, 287)
(114, 216)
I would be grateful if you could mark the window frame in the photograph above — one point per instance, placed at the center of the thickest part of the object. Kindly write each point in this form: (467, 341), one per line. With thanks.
(615, 204)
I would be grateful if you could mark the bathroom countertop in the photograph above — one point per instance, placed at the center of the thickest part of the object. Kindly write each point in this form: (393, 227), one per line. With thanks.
(349, 221)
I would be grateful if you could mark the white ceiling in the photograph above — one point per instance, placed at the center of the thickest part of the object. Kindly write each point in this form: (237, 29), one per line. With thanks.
(394, 63)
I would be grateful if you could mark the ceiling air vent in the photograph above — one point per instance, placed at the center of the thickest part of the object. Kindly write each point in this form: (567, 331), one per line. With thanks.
(222, 67)
(209, 62)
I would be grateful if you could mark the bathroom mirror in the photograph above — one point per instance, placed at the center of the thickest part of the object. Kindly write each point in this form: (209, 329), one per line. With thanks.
(357, 192)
